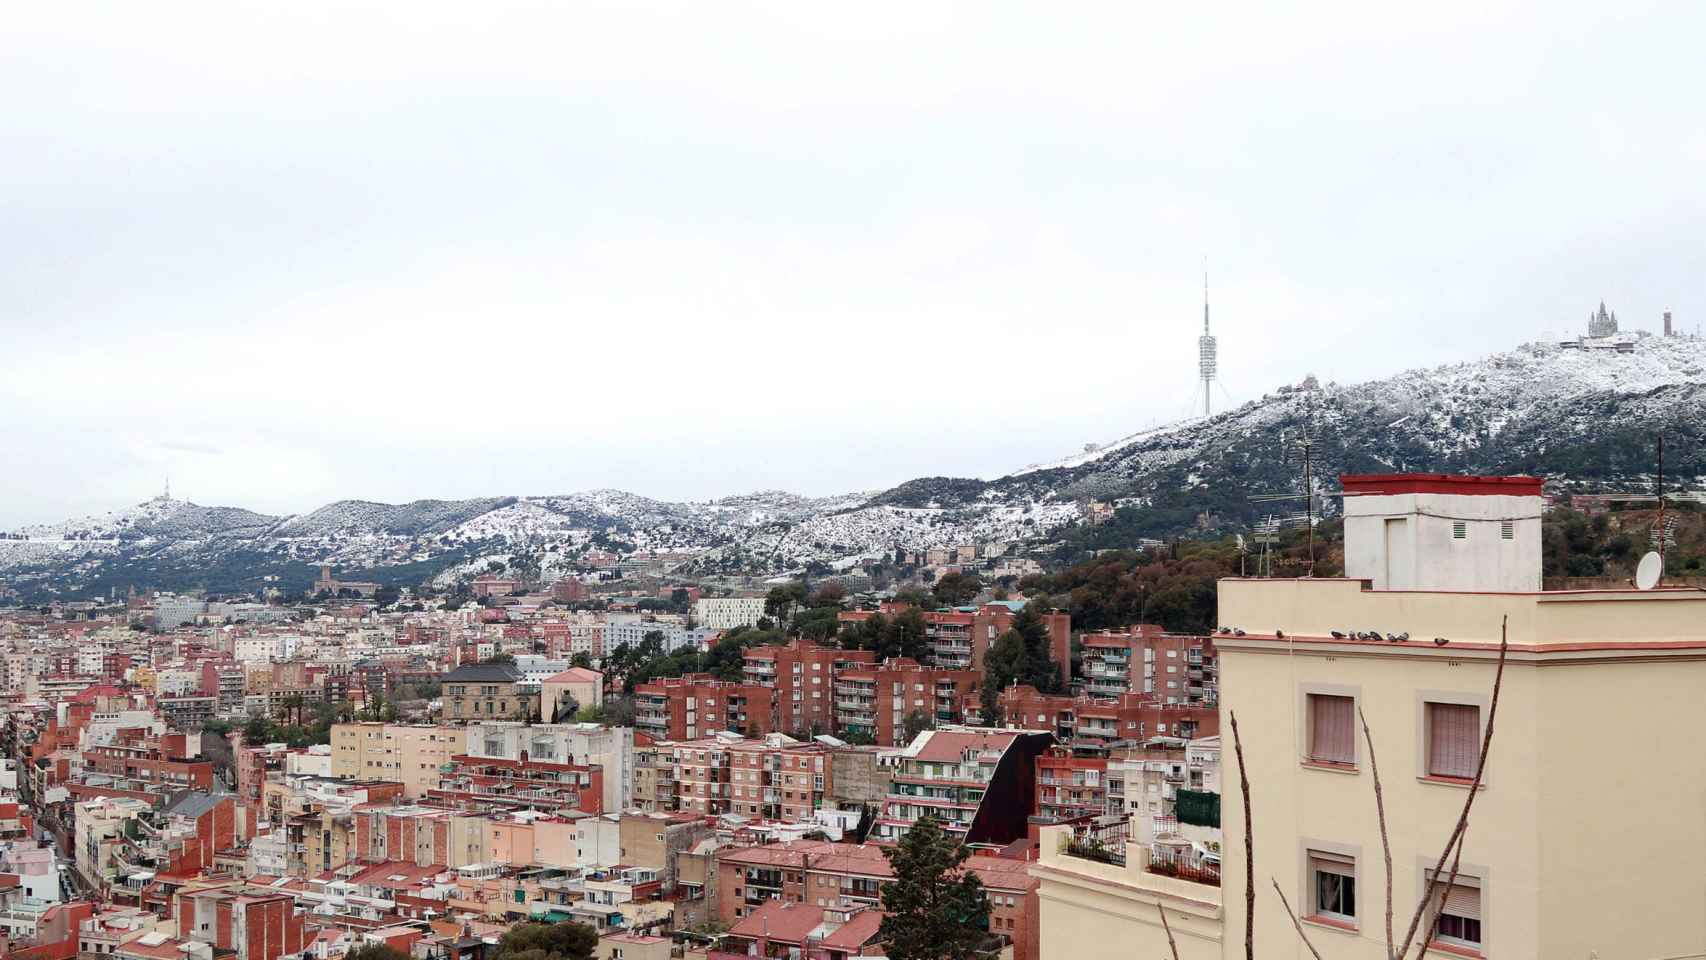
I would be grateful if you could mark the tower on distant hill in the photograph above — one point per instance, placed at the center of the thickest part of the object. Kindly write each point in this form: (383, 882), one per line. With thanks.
(1208, 351)
(1668, 332)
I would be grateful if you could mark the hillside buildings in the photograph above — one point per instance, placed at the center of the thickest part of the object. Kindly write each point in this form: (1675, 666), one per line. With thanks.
(694, 706)
(803, 674)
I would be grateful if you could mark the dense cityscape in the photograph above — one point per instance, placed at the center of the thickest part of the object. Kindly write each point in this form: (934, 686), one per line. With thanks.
(784, 772)
(773, 481)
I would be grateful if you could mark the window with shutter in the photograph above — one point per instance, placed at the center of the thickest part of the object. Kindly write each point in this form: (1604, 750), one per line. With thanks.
(1457, 919)
(1332, 732)
(1453, 734)
(1459, 530)
(1334, 886)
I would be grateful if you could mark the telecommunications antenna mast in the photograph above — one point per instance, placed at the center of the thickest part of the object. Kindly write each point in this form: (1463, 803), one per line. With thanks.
(1208, 351)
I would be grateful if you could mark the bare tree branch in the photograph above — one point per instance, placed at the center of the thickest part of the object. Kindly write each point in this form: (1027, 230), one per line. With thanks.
(1170, 944)
(1428, 940)
(1385, 837)
(1295, 922)
(1249, 849)
(1469, 801)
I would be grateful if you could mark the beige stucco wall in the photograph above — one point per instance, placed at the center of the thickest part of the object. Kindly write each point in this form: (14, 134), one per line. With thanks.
(420, 751)
(401, 753)
(1589, 830)
(1099, 911)
(467, 840)
(554, 842)
(1622, 825)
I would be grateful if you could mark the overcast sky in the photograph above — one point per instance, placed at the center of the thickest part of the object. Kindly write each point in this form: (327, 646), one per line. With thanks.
(297, 252)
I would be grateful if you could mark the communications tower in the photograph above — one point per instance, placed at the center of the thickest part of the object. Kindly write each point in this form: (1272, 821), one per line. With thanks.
(1208, 351)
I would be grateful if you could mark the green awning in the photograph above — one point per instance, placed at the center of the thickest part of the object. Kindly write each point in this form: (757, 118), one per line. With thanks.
(556, 916)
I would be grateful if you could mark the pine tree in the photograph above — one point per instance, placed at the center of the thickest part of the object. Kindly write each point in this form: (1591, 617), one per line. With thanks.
(936, 910)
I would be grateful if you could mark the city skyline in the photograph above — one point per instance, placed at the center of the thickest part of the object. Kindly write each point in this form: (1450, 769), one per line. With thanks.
(469, 254)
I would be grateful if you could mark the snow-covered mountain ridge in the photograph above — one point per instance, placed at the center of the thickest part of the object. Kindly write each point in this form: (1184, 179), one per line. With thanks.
(1579, 416)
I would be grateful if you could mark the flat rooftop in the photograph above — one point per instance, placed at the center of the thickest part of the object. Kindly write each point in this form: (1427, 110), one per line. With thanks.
(1312, 609)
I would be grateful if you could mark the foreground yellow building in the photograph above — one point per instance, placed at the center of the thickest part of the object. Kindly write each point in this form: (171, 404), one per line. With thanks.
(1588, 835)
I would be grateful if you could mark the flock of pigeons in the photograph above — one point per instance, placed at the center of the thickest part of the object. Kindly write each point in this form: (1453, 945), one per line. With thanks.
(1367, 636)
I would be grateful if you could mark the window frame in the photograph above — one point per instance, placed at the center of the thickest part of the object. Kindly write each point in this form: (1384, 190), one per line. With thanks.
(1306, 725)
(1309, 907)
(1478, 874)
(1424, 733)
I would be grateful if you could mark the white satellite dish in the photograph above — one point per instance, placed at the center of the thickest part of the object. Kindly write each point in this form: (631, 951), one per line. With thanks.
(1647, 574)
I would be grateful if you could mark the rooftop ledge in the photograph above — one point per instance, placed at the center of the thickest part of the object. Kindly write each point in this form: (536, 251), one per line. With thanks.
(1309, 610)
(1185, 896)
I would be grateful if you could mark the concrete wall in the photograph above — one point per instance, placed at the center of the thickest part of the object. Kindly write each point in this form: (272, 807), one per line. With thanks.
(1405, 542)
(858, 778)
(1315, 608)
(1099, 911)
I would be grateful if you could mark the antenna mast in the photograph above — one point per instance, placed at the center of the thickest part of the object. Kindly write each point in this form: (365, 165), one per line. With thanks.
(1664, 534)
(1301, 451)
(1208, 351)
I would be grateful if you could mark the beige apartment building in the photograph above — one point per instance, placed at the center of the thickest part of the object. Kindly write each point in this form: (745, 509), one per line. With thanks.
(401, 753)
(1586, 838)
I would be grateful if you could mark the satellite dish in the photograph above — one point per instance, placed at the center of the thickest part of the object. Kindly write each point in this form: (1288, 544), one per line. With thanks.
(1647, 574)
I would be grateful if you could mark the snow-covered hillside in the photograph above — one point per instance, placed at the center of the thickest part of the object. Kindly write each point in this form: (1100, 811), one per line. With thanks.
(1581, 416)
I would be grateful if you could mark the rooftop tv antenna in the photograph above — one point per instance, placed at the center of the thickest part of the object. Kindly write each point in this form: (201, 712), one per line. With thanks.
(1660, 530)
(1301, 451)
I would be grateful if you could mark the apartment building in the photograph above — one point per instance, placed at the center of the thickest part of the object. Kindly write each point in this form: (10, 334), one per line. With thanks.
(1445, 566)
(138, 763)
(223, 680)
(609, 748)
(1144, 784)
(778, 778)
(246, 926)
(653, 777)
(701, 774)
(803, 674)
(1069, 786)
(1093, 724)
(874, 701)
(527, 783)
(694, 706)
(726, 613)
(100, 826)
(959, 638)
(979, 783)
(1144, 659)
(406, 753)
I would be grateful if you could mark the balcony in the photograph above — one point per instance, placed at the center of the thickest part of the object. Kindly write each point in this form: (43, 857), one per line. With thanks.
(1168, 863)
